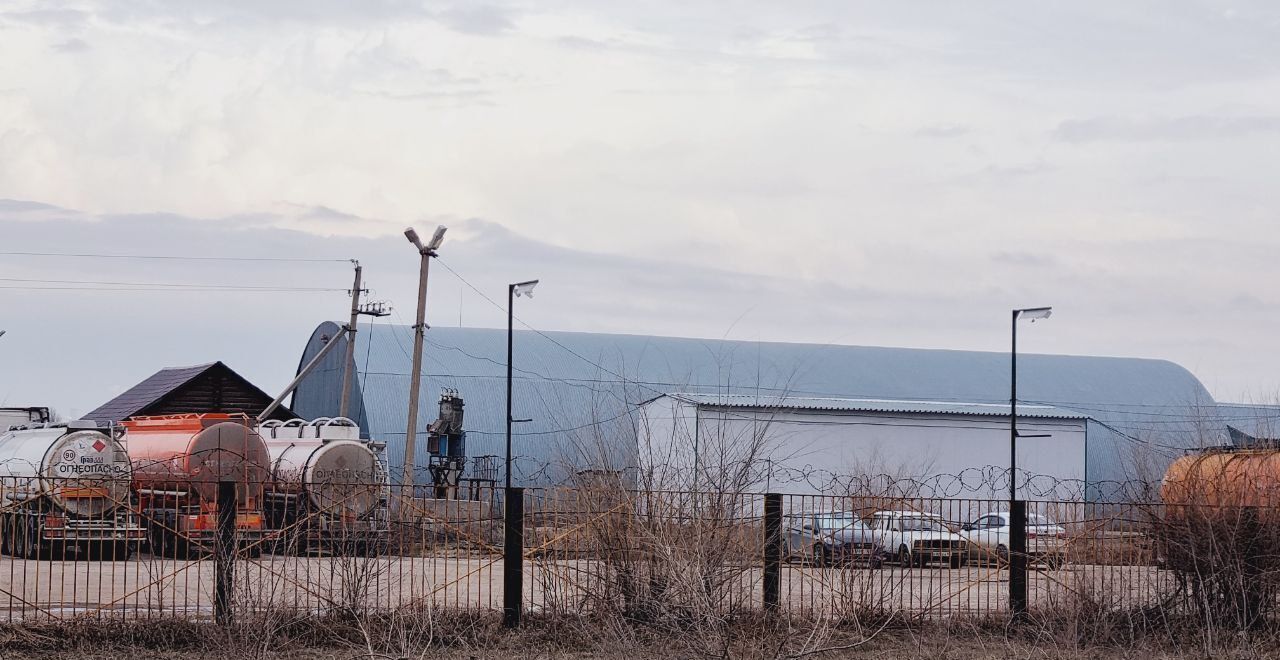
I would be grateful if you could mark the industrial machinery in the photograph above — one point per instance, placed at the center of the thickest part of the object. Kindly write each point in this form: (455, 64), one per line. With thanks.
(329, 491)
(179, 462)
(65, 487)
(447, 446)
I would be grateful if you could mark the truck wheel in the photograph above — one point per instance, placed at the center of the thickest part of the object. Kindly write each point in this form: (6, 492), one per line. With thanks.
(20, 550)
(819, 556)
(6, 535)
(904, 557)
(35, 549)
(1002, 555)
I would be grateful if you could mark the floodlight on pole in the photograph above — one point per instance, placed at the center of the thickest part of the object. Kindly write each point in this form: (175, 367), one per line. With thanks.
(1031, 314)
(519, 289)
(413, 238)
(437, 238)
(524, 288)
(1034, 314)
(425, 252)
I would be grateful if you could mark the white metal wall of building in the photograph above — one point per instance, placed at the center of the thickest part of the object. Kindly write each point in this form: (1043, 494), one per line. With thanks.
(939, 450)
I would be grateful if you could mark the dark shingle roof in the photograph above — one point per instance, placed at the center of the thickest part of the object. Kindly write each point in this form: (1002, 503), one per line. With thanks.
(212, 387)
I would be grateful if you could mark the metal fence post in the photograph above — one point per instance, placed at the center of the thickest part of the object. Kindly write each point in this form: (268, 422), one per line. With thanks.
(512, 556)
(1018, 557)
(224, 549)
(772, 551)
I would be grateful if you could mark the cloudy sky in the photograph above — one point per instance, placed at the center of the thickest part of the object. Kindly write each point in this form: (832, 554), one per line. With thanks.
(861, 173)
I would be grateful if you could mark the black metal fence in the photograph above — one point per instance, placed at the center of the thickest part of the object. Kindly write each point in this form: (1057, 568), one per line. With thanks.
(566, 551)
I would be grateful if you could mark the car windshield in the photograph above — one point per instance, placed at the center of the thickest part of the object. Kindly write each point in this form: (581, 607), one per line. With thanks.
(1039, 520)
(922, 525)
(839, 521)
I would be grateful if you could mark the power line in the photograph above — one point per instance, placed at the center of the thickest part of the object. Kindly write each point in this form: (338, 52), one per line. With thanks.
(165, 257)
(539, 332)
(163, 289)
(173, 285)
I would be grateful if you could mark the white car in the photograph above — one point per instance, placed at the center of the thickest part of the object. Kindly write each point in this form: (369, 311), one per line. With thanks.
(917, 538)
(989, 536)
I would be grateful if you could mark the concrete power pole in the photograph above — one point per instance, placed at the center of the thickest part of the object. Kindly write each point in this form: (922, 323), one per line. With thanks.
(426, 252)
(349, 362)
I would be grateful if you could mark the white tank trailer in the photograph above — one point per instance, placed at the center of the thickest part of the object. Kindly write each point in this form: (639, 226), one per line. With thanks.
(329, 490)
(66, 488)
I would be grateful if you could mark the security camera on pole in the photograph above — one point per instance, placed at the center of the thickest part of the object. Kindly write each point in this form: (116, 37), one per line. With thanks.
(426, 252)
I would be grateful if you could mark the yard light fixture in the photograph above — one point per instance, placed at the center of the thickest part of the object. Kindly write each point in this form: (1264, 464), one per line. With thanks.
(1032, 314)
(513, 290)
(425, 252)
(413, 238)
(524, 288)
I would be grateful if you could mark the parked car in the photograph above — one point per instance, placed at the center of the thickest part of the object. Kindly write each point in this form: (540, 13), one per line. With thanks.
(918, 538)
(988, 536)
(840, 537)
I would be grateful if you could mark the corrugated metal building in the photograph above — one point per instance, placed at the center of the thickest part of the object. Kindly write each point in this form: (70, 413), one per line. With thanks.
(837, 446)
(582, 390)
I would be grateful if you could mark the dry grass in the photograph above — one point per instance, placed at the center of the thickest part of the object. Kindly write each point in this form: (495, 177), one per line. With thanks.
(481, 637)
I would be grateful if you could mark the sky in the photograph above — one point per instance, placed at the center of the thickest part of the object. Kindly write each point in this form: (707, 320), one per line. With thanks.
(870, 173)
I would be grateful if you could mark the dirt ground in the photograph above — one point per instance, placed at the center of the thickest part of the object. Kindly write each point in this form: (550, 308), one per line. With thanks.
(149, 587)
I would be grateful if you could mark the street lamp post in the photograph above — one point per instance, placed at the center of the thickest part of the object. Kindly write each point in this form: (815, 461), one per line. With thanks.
(513, 290)
(425, 252)
(1032, 314)
(1017, 508)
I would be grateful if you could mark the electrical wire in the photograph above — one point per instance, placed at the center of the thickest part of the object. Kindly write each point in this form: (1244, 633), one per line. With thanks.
(165, 257)
(151, 286)
(537, 331)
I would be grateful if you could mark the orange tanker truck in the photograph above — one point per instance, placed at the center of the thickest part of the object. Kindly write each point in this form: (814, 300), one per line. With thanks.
(1223, 479)
(1221, 506)
(178, 462)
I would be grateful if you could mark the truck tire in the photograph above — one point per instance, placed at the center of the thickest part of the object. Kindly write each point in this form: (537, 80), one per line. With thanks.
(6, 534)
(33, 547)
(819, 557)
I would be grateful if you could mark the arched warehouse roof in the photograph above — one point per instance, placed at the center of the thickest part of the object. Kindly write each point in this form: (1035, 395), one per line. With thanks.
(578, 388)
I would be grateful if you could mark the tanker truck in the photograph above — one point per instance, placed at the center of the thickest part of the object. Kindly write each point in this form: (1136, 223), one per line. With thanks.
(179, 462)
(328, 489)
(65, 488)
(1217, 497)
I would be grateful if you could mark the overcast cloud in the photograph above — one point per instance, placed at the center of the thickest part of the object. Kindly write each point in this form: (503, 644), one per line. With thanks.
(861, 173)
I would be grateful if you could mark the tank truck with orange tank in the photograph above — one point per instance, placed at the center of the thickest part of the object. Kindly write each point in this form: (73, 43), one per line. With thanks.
(329, 491)
(178, 462)
(65, 488)
(1219, 495)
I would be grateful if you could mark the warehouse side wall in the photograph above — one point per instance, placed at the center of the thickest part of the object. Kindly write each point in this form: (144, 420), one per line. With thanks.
(835, 453)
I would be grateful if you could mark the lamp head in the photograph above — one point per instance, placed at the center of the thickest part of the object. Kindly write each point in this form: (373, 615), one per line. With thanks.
(1034, 314)
(437, 239)
(413, 238)
(525, 288)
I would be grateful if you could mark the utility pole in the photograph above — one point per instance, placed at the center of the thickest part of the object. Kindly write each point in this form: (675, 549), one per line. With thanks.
(349, 361)
(425, 252)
